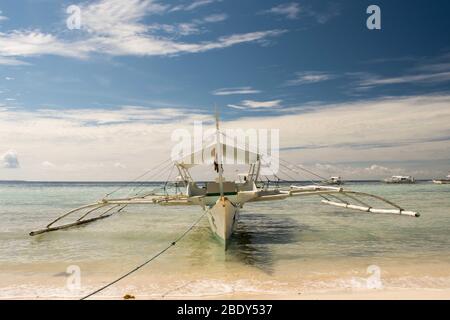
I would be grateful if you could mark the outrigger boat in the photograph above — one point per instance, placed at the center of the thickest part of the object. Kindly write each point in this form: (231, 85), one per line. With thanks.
(442, 181)
(334, 181)
(222, 200)
(400, 180)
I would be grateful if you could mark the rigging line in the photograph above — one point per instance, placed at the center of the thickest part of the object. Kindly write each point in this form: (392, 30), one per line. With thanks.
(162, 168)
(282, 179)
(290, 165)
(278, 178)
(142, 186)
(139, 177)
(357, 200)
(336, 197)
(303, 169)
(289, 176)
(291, 169)
(133, 181)
(170, 174)
(233, 139)
(273, 173)
(149, 260)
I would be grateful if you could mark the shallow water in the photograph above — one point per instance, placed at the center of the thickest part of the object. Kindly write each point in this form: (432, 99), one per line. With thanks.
(299, 245)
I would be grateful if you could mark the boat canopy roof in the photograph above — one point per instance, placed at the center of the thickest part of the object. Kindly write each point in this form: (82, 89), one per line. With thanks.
(207, 155)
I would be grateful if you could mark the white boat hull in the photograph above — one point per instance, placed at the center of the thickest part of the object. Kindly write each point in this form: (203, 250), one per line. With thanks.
(222, 219)
(441, 181)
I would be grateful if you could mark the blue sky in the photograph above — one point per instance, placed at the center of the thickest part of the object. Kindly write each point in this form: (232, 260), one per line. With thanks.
(255, 59)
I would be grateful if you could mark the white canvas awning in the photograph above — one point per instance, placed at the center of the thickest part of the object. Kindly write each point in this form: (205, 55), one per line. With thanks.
(231, 155)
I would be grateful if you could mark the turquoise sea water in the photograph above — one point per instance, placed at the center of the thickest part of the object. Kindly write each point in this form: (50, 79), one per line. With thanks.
(298, 245)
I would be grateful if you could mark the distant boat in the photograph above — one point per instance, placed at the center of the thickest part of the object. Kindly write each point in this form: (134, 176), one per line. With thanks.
(443, 181)
(334, 181)
(400, 180)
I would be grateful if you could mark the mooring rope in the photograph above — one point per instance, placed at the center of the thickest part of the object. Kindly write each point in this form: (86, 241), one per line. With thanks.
(149, 260)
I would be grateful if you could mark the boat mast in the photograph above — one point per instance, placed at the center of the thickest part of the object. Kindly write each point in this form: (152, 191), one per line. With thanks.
(219, 153)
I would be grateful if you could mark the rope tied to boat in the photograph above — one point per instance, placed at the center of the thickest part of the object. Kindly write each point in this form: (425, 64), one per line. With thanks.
(172, 244)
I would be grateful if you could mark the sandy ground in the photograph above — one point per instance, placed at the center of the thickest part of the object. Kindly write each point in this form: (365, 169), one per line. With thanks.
(406, 294)
(400, 294)
(416, 281)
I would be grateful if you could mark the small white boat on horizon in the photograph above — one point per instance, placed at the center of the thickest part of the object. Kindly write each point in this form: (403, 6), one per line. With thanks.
(442, 181)
(400, 180)
(337, 180)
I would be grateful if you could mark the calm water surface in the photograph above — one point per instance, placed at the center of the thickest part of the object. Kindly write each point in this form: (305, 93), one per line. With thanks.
(292, 246)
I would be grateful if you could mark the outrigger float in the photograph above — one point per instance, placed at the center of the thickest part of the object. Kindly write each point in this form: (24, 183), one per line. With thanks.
(222, 200)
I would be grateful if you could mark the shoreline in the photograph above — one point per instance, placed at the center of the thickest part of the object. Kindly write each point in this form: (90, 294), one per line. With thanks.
(370, 294)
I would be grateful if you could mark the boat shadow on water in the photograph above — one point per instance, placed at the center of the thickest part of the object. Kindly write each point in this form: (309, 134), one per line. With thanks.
(256, 237)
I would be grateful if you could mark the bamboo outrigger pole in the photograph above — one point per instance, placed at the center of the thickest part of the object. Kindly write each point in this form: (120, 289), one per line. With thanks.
(69, 225)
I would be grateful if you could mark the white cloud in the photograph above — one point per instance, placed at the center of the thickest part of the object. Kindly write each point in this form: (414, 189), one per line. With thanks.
(417, 78)
(252, 104)
(34, 43)
(375, 167)
(189, 28)
(12, 62)
(48, 164)
(27, 44)
(235, 91)
(405, 130)
(309, 77)
(373, 171)
(324, 16)
(9, 160)
(294, 11)
(434, 70)
(125, 114)
(2, 18)
(116, 28)
(9, 78)
(261, 104)
(289, 10)
(86, 143)
(120, 165)
(215, 18)
(234, 106)
(193, 5)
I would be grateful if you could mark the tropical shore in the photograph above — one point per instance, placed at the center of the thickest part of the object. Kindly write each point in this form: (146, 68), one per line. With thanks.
(398, 294)
(303, 251)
